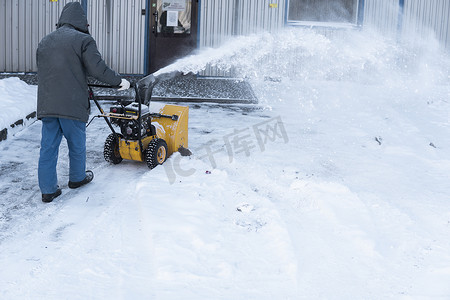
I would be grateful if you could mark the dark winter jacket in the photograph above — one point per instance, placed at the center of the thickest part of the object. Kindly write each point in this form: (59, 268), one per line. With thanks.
(64, 58)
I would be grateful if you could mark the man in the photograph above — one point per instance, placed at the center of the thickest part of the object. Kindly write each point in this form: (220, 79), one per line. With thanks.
(64, 58)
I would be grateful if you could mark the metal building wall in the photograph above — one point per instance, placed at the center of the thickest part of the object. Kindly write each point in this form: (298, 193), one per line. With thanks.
(419, 19)
(221, 19)
(117, 25)
(422, 16)
(119, 30)
(215, 21)
(258, 15)
(23, 23)
(382, 15)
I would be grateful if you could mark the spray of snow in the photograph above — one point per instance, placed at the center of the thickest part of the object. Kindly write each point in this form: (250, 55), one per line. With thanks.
(300, 55)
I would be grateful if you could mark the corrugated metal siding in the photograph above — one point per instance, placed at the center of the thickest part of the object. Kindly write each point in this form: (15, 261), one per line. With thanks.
(223, 18)
(257, 15)
(216, 18)
(421, 16)
(382, 15)
(220, 19)
(23, 24)
(119, 29)
(116, 25)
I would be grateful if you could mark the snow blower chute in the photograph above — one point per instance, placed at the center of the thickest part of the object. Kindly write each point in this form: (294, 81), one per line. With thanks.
(144, 136)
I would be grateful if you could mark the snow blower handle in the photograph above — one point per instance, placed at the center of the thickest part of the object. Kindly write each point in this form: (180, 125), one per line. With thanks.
(108, 86)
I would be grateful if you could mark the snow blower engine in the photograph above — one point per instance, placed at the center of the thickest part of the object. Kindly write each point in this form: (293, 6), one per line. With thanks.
(144, 136)
(129, 127)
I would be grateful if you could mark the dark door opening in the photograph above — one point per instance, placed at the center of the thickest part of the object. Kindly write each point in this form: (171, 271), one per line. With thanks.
(173, 31)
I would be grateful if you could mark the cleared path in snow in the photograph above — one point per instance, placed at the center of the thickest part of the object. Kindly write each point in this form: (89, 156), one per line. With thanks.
(135, 233)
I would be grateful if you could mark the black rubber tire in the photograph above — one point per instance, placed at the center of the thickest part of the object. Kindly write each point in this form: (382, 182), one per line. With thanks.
(156, 153)
(111, 150)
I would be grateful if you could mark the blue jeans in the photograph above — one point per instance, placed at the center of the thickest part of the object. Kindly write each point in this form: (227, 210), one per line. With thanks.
(53, 129)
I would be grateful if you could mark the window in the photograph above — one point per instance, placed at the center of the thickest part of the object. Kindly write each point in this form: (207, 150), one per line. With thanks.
(321, 12)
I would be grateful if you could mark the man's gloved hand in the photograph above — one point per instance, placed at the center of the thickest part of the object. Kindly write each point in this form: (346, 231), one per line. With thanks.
(124, 85)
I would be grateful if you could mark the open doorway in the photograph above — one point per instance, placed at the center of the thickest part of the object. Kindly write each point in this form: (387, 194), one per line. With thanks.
(173, 31)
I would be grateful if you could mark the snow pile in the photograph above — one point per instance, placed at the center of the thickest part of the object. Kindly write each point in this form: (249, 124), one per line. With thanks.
(17, 100)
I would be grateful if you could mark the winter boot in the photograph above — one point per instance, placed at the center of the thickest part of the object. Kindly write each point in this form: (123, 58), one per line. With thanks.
(47, 198)
(87, 179)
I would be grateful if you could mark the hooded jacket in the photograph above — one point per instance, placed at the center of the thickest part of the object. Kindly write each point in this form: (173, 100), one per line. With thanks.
(65, 58)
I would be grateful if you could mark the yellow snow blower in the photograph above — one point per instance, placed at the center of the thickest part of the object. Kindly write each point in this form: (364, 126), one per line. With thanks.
(144, 136)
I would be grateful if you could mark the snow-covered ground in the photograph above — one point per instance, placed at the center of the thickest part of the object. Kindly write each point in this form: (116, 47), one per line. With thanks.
(335, 186)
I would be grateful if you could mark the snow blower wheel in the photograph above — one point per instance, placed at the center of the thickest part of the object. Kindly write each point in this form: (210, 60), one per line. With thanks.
(111, 149)
(156, 153)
